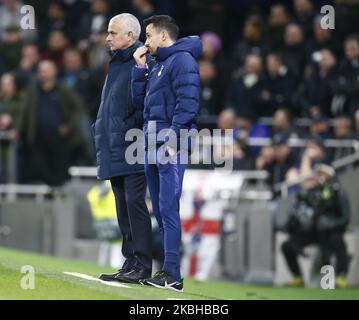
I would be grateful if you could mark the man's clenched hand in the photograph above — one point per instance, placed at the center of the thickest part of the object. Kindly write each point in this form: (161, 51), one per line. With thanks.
(140, 56)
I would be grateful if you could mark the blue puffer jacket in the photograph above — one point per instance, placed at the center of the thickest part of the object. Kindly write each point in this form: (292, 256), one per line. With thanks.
(116, 115)
(169, 91)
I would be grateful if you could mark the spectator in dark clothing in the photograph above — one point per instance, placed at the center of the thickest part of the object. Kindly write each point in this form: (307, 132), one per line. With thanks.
(319, 125)
(244, 94)
(304, 15)
(243, 159)
(11, 102)
(28, 64)
(322, 39)
(92, 22)
(212, 48)
(244, 127)
(74, 11)
(55, 20)
(210, 102)
(342, 131)
(10, 49)
(285, 158)
(75, 76)
(212, 51)
(294, 50)
(314, 153)
(253, 41)
(78, 78)
(239, 11)
(349, 75)
(57, 46)
(277, 21)
(320, 87)
(283, 124)
(50, 127)
(279, 86)
(247, 128)
(277, 159)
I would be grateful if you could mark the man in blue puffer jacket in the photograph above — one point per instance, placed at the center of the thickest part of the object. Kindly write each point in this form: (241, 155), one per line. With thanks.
(169, 92)
(115, 117)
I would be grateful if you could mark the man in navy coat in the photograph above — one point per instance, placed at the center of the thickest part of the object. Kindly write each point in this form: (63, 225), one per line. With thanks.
(115, 117)
(169, 93)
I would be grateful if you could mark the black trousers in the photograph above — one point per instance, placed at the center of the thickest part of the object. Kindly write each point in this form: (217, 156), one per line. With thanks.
(46, 161)
(134, 220)
(330, 242)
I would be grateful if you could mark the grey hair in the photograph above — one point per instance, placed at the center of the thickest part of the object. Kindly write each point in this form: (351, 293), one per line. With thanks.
(130, 23)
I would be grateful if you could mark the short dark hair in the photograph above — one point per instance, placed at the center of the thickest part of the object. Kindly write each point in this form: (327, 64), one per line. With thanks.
(164, 22)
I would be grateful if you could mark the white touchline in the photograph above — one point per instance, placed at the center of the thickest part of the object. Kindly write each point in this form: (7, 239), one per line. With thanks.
(87, 277)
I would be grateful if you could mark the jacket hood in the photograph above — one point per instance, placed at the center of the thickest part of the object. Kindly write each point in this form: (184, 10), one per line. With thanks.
(191, 44)
(126, 54)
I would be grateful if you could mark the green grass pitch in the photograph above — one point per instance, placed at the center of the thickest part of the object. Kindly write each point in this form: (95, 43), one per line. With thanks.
(51, 283)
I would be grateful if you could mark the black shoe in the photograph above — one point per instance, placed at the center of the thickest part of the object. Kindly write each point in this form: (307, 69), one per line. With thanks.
(164, 280)
(134, 276)
(112, 276)
(143, 282)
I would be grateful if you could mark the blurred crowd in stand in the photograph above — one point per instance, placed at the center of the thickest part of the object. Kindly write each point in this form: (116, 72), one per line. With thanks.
(261, 59)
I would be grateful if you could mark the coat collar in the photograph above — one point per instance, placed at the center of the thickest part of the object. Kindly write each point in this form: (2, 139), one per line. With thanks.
(190, 44)
(124, 55)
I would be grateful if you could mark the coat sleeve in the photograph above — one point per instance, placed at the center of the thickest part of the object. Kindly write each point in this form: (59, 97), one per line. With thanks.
(135, 118)
(186, 86)
(138, 86)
